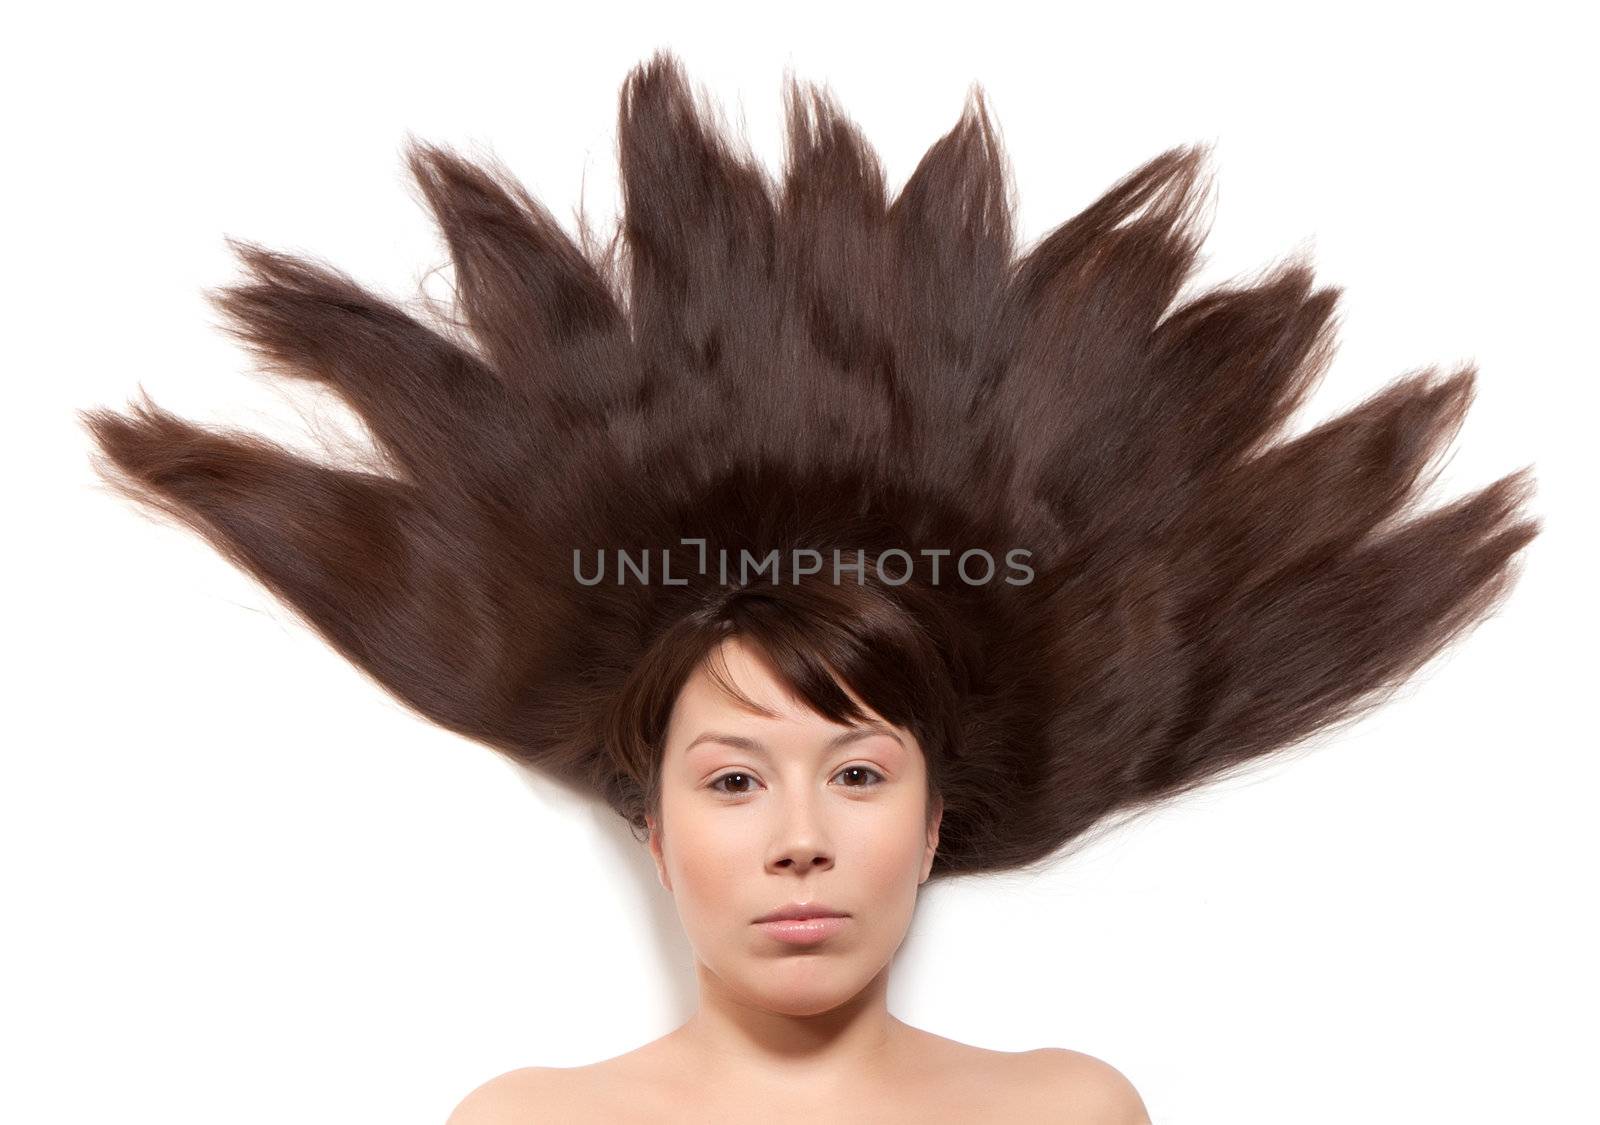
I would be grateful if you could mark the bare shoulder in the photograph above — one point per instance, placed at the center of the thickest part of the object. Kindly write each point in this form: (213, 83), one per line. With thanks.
(530, 1095)
(603, 1091)
(1094, 1091)
(1048, 1084)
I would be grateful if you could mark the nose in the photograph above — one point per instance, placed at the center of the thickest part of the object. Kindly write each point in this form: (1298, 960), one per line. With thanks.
(803, 859)
(800, 840)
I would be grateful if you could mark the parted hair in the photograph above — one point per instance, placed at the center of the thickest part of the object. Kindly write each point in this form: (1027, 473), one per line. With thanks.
(753, 365)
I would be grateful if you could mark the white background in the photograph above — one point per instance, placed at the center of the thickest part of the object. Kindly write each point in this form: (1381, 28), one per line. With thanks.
(241, 884)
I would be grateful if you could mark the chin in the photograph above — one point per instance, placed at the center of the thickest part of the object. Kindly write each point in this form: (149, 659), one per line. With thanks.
(806, 985)
(809, 1002)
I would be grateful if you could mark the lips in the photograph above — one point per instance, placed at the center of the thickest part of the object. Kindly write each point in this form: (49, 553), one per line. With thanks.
(799, 911)
(804, 932)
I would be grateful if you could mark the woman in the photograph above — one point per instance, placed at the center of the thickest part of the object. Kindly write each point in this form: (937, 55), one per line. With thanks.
(765, 807)
(817, 464)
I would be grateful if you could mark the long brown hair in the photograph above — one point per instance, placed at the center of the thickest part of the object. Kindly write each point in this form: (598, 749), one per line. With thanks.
(757, 365)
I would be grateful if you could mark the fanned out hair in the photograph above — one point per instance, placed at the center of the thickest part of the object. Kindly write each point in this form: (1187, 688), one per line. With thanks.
(751, 366)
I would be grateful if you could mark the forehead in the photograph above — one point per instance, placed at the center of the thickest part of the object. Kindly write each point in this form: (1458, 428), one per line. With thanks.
(702, 702)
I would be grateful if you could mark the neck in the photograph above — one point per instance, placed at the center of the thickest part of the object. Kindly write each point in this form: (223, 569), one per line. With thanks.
(846, 1043)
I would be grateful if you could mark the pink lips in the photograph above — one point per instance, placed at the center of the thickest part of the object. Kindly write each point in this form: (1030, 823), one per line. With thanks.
(802, 923)
(804, 931)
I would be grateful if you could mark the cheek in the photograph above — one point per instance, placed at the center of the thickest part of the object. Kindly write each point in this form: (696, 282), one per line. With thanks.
(707, 855)
(889, 852)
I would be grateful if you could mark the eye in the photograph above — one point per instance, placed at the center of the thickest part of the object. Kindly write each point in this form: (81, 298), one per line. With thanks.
(858, 771)
(717, 784)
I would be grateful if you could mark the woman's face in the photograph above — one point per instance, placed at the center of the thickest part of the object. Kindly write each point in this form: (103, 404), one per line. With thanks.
(758, 813)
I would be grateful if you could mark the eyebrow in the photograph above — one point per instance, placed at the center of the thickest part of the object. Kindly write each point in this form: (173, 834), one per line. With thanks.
(855, 734)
